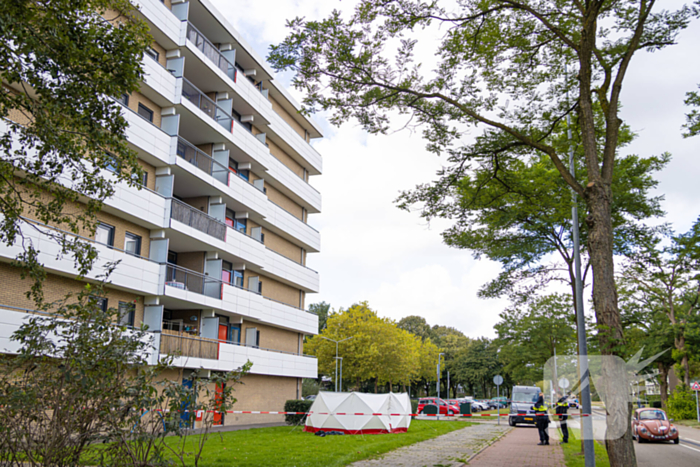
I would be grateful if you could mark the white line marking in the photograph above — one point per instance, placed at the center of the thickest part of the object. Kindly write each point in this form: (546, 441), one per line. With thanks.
(693, 440)
(686, 446)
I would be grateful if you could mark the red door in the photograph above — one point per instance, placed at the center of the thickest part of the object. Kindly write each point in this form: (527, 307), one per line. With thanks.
(218, 399)
(223, 333)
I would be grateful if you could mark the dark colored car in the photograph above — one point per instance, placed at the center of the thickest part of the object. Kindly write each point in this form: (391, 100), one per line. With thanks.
(445, 407)
(653, 425)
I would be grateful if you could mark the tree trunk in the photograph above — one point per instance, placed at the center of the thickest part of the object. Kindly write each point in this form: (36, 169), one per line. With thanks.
(663, 391)
(620, 449)
(376, 383)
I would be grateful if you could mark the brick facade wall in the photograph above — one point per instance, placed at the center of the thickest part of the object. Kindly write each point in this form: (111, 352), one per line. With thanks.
(56, 288)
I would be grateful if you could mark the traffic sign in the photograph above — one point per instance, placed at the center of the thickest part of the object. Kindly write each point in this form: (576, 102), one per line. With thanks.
(564, 383)
(498, 380)
(695, 386)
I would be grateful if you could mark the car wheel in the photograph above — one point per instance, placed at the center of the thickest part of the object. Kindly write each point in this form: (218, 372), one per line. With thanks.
(641, 440)
(511, 421)
(450, 412)
(676, 441)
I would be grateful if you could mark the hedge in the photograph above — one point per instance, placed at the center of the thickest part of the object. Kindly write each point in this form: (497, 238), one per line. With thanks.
(294, 405)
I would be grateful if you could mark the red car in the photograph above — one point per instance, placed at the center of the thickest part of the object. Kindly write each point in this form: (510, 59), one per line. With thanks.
(445, 407)
(653, 425)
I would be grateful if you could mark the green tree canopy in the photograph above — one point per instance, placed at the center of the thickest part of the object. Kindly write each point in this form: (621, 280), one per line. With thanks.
(62, 62)
(665, 278)
(528, 335)
(321, 310)
(378, 349)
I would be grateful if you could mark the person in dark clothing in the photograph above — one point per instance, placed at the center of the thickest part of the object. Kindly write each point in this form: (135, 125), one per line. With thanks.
(541, 420)
(561, 410)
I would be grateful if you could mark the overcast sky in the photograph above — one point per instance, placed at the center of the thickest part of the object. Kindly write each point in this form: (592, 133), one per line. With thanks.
(372, 251)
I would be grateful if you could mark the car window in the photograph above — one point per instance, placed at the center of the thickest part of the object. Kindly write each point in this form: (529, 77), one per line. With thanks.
(525, 397)
(652, 415)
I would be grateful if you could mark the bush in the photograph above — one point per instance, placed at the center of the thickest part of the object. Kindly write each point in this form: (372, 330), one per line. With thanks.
(656, 404)
(681, 404)
(414, 405)
(296, 406)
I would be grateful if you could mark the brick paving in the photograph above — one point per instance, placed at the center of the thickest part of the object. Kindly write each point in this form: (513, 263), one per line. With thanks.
(519, 448)
(452, 449)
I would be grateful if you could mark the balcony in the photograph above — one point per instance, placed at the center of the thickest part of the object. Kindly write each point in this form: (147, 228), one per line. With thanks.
(192, 217)
(206, 105)
(182, 344)
(207, 164)
(212, 53)
(199, 290)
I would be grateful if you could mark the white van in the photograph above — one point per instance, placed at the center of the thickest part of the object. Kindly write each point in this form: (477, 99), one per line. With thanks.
(522, 400)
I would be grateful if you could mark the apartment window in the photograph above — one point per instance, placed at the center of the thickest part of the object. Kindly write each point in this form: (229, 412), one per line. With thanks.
(232, 165)
(245, 175)
(100, 302)
(226, 273)
(127, 312)
(234, 333)
(172, 257)
(260, 287)
(240, 224)
(132, 244)
(124, 100)
(230, 217)
(152, 53)
(104, 234)
(237, 278)
(111, 164)
(144, 179)
(252, 337)
(145, 112)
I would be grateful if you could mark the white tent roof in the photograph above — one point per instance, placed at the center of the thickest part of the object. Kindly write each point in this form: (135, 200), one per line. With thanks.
(338, 411)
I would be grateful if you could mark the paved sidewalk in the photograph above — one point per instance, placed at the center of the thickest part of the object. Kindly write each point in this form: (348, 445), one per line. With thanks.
(452, 449)
(519, 447)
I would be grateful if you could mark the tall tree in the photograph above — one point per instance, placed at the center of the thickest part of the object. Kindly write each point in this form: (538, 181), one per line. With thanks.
(501, 65)
(61, 64)
(321, 310)
(476, 364)
(415, 325)
(692, 124)
(529, 334)
(667, 279)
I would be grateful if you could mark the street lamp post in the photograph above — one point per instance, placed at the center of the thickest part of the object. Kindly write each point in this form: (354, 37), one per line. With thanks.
(438, 375)
(336, 357)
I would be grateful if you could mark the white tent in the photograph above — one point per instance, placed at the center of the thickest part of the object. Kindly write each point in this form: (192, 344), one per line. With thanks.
(340, 411)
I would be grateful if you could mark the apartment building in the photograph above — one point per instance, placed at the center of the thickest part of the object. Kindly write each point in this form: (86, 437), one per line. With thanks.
(213, 248)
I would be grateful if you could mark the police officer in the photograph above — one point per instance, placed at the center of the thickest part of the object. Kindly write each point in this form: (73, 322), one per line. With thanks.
(541, 420)
(561, 410)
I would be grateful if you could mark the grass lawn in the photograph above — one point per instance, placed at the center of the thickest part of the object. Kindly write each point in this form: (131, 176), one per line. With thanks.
(573, 456)
(690, 423)
(289, 446)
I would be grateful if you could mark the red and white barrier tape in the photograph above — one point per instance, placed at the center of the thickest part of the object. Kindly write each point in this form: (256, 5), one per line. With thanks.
(256, 412)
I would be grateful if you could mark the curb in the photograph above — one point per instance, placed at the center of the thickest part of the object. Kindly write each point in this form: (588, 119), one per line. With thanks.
(488, 446)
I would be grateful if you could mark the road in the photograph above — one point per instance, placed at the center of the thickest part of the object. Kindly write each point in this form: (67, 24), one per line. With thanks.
(685, 454)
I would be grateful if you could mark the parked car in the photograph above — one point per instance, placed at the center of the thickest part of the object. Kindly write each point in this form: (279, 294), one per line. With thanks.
(502, 401)
(573, 402)
(482, 405)
(445, 407)
(476, 407)
(653, 425)
(312, 397)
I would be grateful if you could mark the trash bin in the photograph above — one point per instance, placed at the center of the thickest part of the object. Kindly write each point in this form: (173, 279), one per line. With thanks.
(465, 408)
(430, 409)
